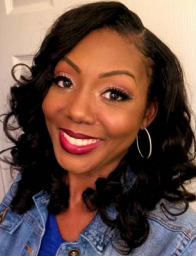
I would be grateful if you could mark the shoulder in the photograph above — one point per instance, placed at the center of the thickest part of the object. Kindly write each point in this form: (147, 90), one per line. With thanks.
(10, 220)
(17, 230)
(12, 191)
(171, 217)
(170, 232)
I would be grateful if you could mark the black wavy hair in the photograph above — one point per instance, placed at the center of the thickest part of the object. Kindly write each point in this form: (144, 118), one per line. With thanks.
(162, 176)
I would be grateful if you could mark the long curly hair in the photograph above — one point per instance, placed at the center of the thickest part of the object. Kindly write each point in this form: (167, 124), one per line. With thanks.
(162, 176)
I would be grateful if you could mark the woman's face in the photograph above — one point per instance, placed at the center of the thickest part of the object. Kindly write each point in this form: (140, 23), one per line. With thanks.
(97, 103)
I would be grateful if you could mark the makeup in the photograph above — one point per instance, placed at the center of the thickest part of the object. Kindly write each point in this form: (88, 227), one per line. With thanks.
(77, 144)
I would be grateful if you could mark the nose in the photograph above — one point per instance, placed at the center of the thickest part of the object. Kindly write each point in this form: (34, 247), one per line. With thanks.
(80, 108)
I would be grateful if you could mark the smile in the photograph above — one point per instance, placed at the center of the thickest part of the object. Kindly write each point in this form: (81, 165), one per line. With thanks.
(78, 146)
(79, 142)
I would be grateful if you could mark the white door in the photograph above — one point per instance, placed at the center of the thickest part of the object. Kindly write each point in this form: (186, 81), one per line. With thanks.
(23, 24)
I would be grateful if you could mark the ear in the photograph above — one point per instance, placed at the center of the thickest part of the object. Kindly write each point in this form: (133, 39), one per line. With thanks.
(150, 114)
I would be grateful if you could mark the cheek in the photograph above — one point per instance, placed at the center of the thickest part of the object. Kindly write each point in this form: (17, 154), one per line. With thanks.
(49, 111)
(51, 105)
(48, 104)
(121, 125)
(45, 107)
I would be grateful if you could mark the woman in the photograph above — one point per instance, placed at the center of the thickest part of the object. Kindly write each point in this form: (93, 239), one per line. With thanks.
(106, 144)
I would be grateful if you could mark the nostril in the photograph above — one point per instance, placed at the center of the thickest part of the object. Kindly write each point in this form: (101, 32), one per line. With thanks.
(80, 112)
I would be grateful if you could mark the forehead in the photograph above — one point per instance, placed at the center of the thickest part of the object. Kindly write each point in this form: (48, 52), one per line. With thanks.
(105, 50)
(104, 43)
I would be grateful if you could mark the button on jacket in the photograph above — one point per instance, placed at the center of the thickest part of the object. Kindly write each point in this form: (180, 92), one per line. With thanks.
(21, 235)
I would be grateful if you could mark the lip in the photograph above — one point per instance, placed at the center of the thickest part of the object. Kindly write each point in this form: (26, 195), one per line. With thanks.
(77, 135)
(76, 149)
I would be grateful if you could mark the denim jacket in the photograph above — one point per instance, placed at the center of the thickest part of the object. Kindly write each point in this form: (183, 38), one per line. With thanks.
(21, 235)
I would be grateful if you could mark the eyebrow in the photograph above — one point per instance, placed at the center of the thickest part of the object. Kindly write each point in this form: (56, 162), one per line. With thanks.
(73, 65)
(117, 72)
(102, 75)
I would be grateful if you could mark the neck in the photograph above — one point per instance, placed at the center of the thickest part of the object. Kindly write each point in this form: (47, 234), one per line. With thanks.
(79, 182)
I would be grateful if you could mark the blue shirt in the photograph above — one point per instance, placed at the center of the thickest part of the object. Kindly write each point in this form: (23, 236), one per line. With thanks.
(51, 240)
(21, 235)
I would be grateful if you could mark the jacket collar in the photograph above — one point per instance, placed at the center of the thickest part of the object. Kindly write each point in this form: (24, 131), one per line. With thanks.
(97, 233)
(40, 212)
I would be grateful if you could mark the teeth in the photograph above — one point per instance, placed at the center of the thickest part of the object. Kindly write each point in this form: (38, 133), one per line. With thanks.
(90, 141)
(84, 142)
(79, 142)
(72, 140)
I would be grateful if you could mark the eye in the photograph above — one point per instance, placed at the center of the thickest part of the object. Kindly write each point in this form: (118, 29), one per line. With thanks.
(115, 94)
(63, 81)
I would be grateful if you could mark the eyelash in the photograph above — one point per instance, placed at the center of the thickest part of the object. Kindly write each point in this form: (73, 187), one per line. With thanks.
(119, 92)
(64, 79)
(113, 90)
